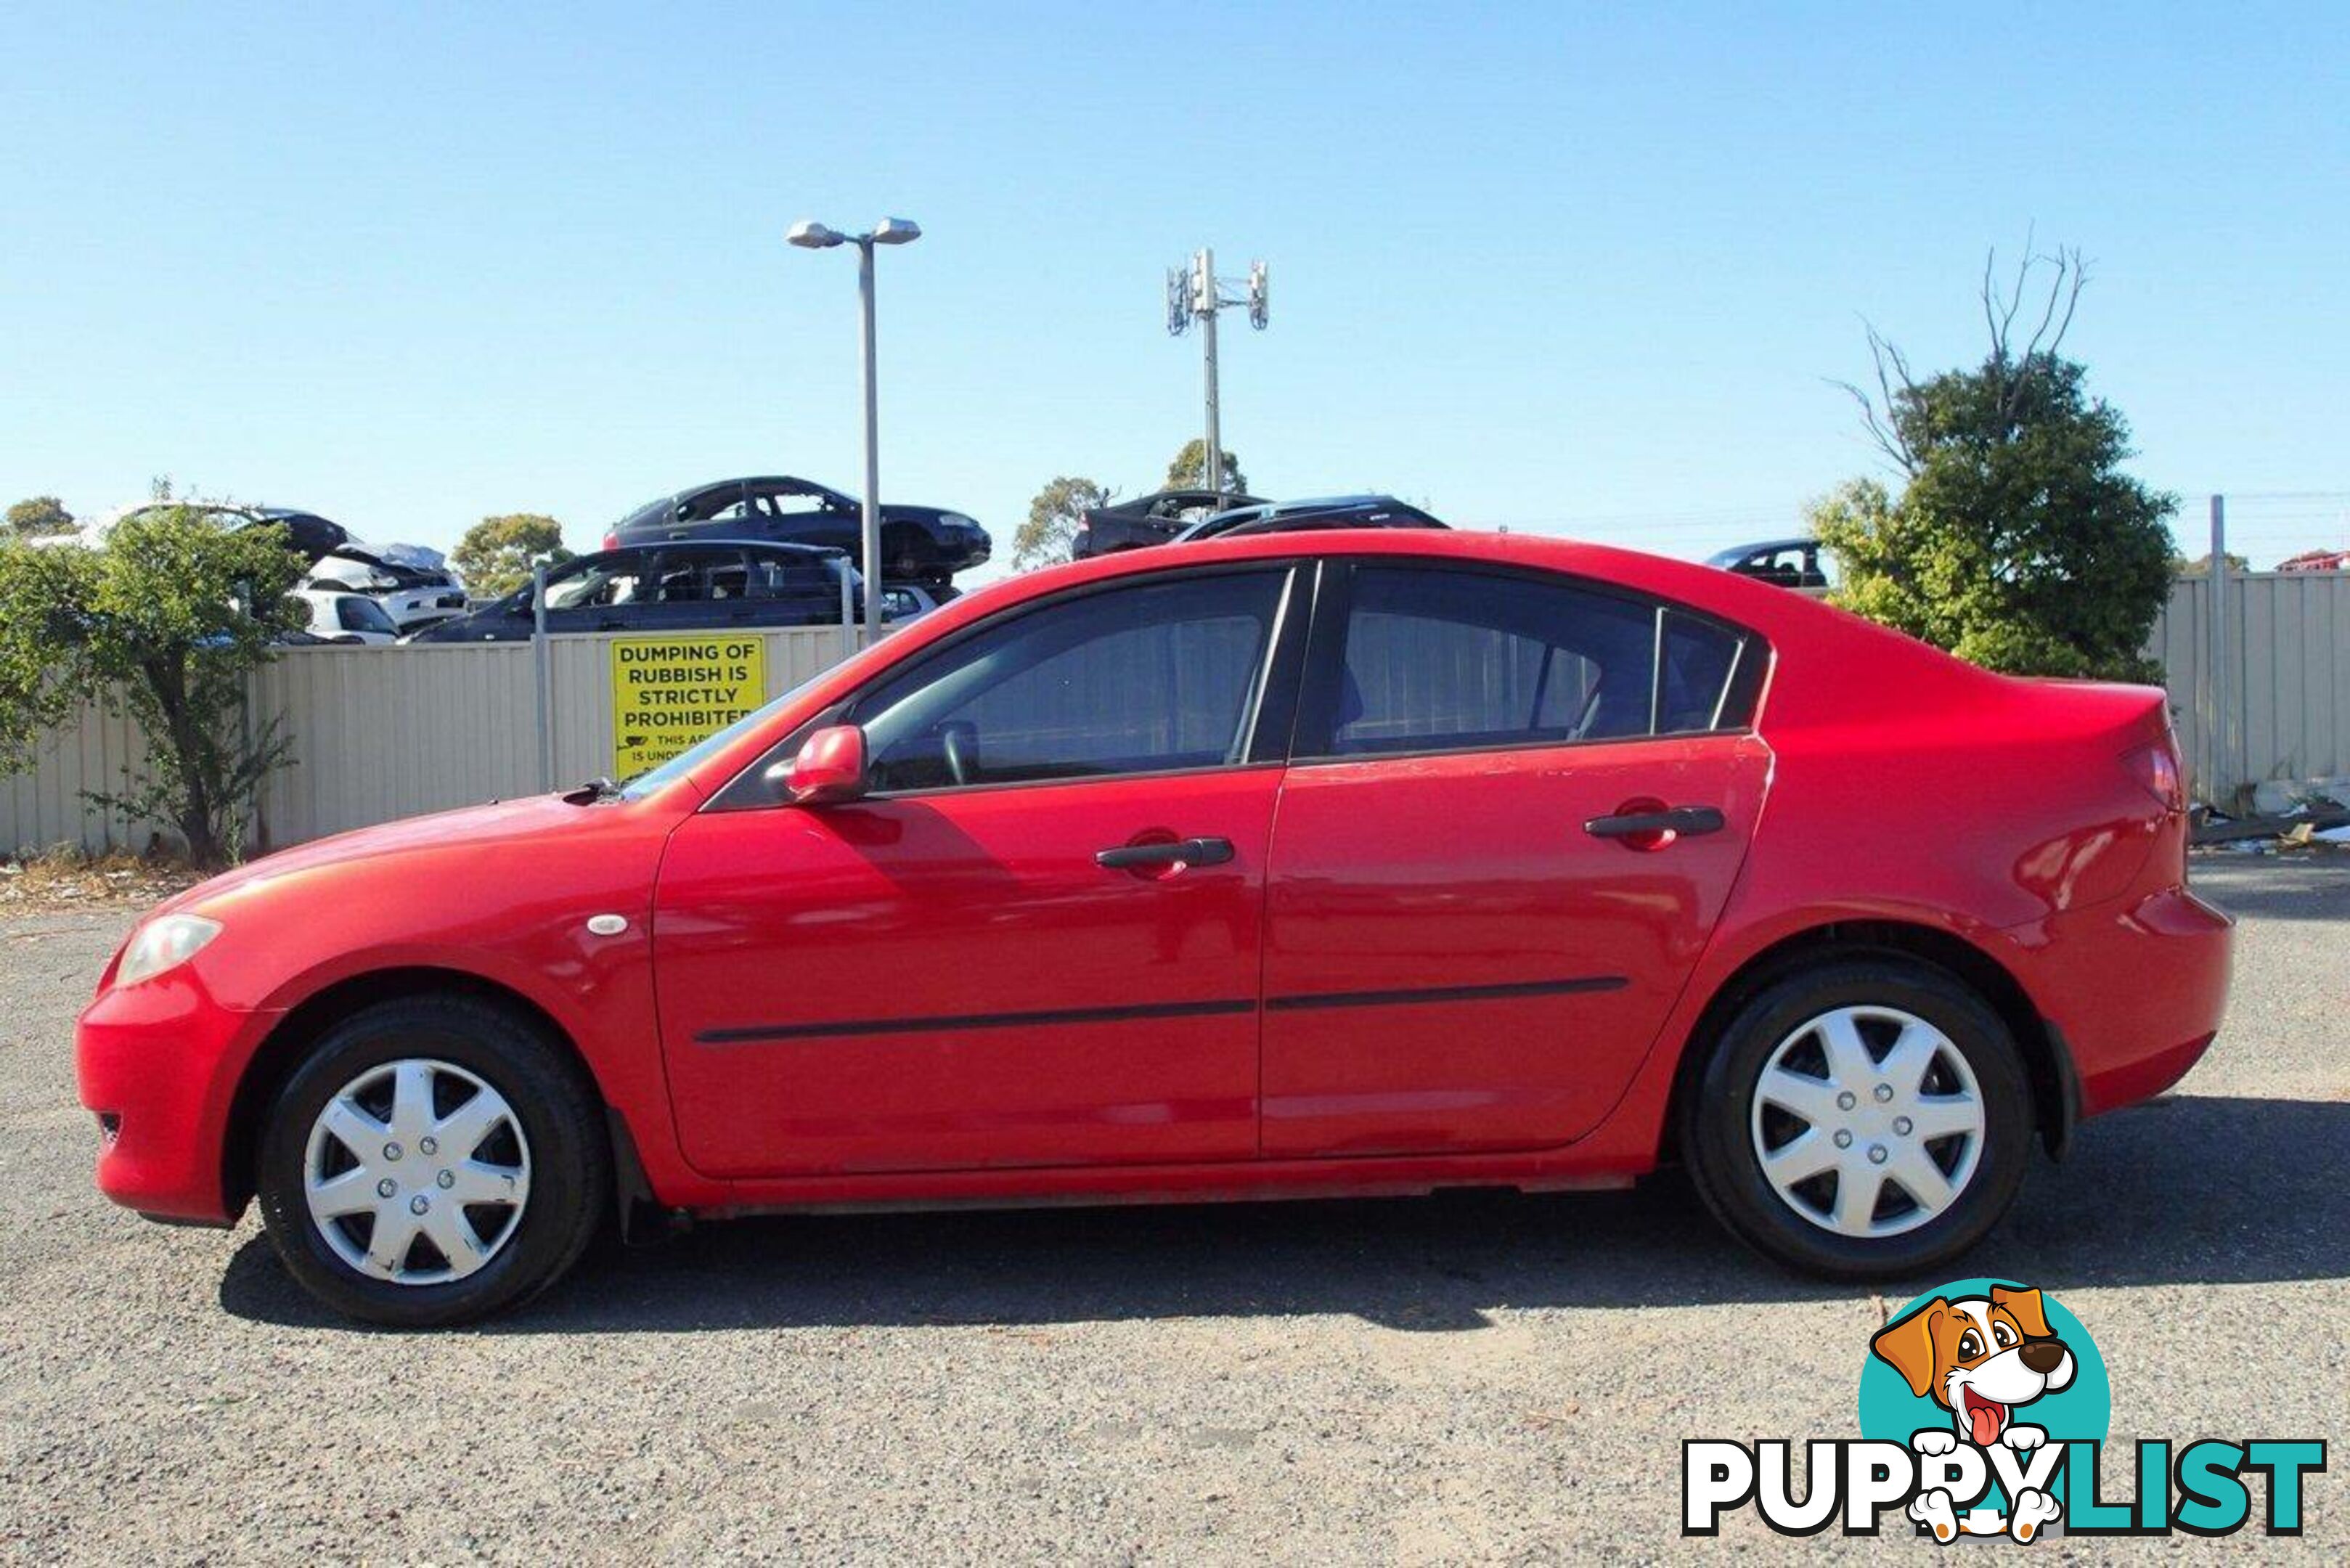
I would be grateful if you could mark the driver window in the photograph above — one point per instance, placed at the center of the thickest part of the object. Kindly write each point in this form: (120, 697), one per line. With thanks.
(1138, 679)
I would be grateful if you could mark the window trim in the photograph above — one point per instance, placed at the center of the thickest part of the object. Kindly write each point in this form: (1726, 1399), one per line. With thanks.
(1333, 610)
(1271, 703)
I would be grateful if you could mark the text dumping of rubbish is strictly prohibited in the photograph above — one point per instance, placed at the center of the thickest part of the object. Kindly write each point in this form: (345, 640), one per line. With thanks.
(668, 693)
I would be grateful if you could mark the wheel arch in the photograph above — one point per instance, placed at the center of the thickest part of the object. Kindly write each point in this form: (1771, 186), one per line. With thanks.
(2048, 1060)
(282, 1051)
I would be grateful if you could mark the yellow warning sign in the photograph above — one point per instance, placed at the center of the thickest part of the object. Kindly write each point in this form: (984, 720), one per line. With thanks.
(668, 693)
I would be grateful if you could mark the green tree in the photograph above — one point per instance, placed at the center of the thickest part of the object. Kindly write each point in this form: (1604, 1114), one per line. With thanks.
(1190, 469)
(2014, 540)
(2200, 566)
(495, 555)
(1052, 521)
(164, 623)
(40, 514)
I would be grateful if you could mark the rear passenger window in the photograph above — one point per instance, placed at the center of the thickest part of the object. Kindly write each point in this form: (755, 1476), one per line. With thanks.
(1437, 659)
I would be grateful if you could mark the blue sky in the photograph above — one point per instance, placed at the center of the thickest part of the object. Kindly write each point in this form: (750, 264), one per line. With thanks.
(1558, 267)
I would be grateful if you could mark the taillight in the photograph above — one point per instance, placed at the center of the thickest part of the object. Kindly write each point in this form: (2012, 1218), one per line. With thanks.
(612, 541)
(2157, 768)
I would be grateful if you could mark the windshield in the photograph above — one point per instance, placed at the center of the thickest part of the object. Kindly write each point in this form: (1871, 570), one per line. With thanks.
(638, 785)
(364, 615)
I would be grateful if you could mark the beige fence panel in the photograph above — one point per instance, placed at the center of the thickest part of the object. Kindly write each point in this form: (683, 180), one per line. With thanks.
(44, 807)
(2288, 666)
(378, 733)
(385, 733)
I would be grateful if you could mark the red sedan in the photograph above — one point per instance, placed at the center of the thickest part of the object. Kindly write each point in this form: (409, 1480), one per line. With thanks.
(1343, 864)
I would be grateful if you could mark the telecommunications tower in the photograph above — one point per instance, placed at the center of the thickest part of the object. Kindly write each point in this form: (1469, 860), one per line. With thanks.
(1194, 293)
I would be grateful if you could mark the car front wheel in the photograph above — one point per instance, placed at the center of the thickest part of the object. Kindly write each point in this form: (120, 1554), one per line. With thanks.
(434, 1160)
(1866, 1118)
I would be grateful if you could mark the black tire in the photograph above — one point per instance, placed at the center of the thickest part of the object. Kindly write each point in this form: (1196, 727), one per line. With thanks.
(1717, 1129)
(560, 1116)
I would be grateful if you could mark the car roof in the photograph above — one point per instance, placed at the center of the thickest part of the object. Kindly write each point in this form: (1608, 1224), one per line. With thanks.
(1235, 497)
(1270, 514)
(663, 502)
(1332, 502)
(1740, 552)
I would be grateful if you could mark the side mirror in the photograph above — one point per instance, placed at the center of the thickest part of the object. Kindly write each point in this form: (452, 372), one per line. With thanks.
(830, 767)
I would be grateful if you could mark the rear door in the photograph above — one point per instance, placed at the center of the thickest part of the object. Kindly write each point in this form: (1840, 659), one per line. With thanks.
(1516, 806)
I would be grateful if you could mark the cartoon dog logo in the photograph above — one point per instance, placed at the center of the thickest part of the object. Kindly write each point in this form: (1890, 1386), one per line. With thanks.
(1980, 1358)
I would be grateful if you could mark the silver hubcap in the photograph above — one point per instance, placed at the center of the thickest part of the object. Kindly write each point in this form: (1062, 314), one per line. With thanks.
(417, 1172)
(1868, 1121)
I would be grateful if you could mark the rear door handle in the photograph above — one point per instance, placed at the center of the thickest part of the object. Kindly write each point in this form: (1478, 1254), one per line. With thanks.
(1185, 851)
(1681, 821)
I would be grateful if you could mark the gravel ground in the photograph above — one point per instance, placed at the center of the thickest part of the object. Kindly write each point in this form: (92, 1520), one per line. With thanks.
(1443, 1380)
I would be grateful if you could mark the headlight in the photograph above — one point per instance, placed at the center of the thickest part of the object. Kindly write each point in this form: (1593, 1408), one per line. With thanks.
(163, 944)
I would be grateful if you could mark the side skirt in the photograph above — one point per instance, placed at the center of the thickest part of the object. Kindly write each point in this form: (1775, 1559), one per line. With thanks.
(1116, 1186)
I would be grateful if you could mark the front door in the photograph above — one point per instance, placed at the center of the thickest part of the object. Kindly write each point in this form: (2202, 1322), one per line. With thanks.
(1037, 942)
(1480, 911)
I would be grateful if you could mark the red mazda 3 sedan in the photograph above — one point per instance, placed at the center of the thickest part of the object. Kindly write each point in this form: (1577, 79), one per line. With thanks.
(1343, 864)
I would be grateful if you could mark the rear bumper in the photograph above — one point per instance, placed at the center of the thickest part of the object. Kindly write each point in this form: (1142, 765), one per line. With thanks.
(2134, 989)
(159, 1064)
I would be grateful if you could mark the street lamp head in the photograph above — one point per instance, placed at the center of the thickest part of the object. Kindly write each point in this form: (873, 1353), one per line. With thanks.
(814, 236)
(897, 232)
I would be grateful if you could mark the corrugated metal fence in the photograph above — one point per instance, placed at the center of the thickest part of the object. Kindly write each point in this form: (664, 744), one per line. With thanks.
(2261, 681)
(2261, 692)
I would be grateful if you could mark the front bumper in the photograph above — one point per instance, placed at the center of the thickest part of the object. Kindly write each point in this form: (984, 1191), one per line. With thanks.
(159, 1062)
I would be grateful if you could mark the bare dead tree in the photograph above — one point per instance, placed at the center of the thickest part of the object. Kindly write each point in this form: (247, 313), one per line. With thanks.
(1877, 413)
(2069, 273)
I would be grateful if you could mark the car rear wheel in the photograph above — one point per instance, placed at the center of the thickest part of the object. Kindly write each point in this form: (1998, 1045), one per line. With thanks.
(1866, 1119)
(436, 1159)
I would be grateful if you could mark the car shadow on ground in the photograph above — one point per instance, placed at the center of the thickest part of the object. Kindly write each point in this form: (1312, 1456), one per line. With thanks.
(2188, 1189)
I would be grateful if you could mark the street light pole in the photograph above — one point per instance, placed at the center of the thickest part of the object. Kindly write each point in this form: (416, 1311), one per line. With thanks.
(815, 237)
(873, 531)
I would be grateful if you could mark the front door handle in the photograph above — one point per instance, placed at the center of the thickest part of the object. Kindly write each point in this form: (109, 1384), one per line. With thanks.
(1678, 822)
(1181, 852)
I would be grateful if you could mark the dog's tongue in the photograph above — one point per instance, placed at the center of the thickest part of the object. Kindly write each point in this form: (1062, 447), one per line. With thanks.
(1985, 1421)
